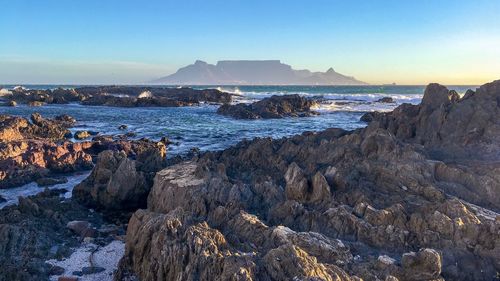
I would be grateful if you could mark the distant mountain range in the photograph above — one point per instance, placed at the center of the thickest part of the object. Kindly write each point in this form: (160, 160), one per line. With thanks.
(252, 72)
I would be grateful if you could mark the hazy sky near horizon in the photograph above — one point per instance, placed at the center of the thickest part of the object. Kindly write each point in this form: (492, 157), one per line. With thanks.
(385, 41)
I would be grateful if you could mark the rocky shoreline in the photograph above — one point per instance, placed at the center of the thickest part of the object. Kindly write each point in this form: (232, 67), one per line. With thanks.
(412, 196)
(117, 96)
(332, 205)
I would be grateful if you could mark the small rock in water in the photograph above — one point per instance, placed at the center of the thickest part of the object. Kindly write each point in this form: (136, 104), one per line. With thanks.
(2, 200)
(82, 135)
(50, 181)
(122, 127)
(12, 103)
(386, 100)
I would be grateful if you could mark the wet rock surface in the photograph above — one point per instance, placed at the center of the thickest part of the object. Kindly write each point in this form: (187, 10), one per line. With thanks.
(379, 203)
(272, 107)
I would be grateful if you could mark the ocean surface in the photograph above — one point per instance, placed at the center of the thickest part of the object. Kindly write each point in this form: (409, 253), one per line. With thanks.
(201, 127)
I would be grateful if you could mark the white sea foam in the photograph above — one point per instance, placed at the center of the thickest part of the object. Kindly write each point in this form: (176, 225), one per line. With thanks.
(12, 194)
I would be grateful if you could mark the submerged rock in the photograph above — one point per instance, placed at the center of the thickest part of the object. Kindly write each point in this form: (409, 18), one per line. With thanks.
(272, 107)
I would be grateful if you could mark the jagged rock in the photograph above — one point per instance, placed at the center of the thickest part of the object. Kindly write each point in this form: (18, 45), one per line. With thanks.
(272, 107)
(463, 133)
(12, 103)
(296, 183)
(380, 190)
(118, 182)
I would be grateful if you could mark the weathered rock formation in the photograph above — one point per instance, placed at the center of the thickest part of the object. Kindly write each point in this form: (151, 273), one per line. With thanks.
(373, 203)
(121, 182)
(463, 133)
(272, 107)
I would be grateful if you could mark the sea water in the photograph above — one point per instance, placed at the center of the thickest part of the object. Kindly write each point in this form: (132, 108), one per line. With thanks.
(201, 127)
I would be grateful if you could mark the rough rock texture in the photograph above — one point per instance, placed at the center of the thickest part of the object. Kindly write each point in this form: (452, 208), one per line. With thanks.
(118, 182)
(373, 203)
(28, 152)
(38, 149)
(463, 133)
(272, 107)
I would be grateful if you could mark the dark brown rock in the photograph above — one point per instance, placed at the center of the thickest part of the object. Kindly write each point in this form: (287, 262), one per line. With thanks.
(272, 107)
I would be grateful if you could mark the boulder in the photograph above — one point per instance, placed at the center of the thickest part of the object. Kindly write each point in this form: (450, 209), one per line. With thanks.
(272, 107)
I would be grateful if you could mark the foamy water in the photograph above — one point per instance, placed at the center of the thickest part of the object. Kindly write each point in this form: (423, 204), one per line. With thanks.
(12, 194)
(201, 127)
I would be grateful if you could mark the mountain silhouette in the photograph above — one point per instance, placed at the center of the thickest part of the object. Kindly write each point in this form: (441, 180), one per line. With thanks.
(252, 72)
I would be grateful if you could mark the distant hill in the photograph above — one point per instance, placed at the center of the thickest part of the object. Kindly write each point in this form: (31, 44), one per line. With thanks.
(253, 72)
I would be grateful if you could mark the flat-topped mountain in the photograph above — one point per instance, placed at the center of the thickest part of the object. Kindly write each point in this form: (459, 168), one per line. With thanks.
(253, 72)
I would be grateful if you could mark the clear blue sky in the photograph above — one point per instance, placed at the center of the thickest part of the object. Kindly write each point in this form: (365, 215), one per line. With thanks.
(106, 41)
